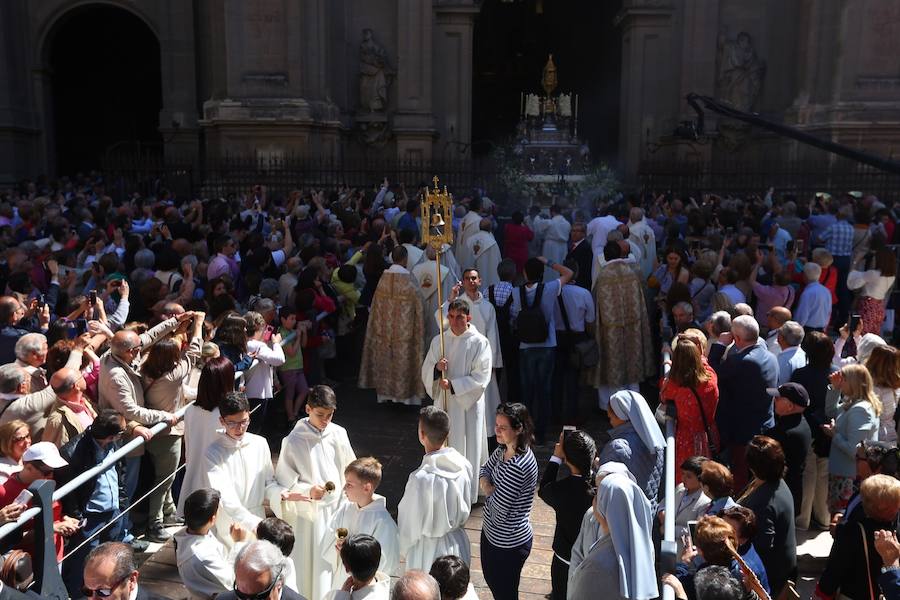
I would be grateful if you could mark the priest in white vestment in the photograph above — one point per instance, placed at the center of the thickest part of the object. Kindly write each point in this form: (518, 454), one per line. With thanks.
(313, 456)
(426, 275)
(642, 234)
(436, 502)
(555, 232)
(467, 228)
(598, 230)
(485, 254)
(484, 319)
(239, 465)
(457, 382)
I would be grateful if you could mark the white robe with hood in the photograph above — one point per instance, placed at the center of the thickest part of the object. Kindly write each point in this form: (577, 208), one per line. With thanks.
(467, 228)
(378, 589)
(372, 519)
(310, 457)
(486, 254)
(469, 363)
(425, 274)
(434, 509)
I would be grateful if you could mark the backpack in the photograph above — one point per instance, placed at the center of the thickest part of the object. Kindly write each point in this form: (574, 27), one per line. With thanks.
(531, 324)
(503, 329)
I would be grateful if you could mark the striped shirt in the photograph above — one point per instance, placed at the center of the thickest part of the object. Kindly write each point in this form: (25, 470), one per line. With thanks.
(506, 511)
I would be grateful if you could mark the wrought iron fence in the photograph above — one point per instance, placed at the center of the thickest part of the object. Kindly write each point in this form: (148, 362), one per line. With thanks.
(237, 175)
(735, 177)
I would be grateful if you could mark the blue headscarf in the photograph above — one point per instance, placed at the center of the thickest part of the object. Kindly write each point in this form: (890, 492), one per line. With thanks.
(631, 406)
(630, 520)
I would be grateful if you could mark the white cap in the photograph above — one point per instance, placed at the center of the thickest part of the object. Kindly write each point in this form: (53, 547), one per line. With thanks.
(47, 453)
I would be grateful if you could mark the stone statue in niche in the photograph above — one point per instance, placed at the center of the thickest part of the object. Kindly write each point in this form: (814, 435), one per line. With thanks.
(375, 74)
(740, 71)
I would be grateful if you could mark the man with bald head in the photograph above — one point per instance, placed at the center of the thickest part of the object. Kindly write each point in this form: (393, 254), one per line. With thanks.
(416, 585)
(485, 253)
(120, 387)
(775, 318)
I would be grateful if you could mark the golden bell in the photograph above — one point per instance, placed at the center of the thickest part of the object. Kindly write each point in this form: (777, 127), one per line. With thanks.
(437, 220)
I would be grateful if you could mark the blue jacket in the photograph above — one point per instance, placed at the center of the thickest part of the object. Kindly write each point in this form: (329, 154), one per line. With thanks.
(745, 408)
(625, 446)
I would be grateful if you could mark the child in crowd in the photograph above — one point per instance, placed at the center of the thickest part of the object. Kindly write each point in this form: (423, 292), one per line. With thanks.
(293, 380)
(310, 474)
(360, 557)
(364, 511)
(205, 565)
(273, 529)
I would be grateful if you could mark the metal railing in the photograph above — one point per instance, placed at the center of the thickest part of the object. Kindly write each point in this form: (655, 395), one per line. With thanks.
(47, 575)
(669, 547)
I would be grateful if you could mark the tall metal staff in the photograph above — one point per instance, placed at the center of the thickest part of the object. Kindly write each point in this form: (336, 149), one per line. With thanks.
(437, 230)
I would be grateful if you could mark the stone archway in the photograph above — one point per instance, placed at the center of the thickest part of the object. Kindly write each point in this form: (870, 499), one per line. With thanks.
(102, 86)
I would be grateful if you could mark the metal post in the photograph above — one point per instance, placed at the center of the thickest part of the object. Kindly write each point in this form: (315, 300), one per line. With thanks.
(46, 572)
(668, 547)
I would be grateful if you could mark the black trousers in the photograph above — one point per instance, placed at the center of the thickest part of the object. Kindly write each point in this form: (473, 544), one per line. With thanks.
(559, 578)
(502, 568)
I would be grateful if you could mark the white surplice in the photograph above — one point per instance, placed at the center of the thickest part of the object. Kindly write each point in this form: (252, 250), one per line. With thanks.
(425, 274)
(378, 589)
(200, 430)
(486, 255)
(205, 565)
(642, 234)
(555, 232)
(434, 509)
(484, 318)
(468, 227)
(469, 371)
(372, 519)
(414, 255)
(241, 471)
(310, 457)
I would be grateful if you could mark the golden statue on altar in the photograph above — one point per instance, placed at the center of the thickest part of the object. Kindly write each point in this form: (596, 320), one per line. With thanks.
(548, 82)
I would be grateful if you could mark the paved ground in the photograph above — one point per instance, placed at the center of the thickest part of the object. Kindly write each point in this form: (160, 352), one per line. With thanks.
(388, 433)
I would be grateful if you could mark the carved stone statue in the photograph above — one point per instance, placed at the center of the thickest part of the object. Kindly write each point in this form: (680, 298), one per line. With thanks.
(740, 71)
(564, 105)
(548, 81)
(375, 74)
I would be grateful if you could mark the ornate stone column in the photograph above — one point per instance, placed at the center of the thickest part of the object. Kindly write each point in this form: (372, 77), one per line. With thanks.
(413, 120)
(452, 75)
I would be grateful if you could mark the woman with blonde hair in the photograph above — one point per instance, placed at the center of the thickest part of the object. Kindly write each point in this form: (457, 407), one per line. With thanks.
(856, 420)
(693, 386)
(15, 439)
(884, 366)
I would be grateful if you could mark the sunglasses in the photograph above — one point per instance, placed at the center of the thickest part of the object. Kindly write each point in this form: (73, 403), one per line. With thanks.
(103, 592)
(259, 595)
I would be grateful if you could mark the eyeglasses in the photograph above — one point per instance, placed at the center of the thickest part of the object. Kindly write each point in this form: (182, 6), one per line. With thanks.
(259, 595)
(236, 424)
(103, 592)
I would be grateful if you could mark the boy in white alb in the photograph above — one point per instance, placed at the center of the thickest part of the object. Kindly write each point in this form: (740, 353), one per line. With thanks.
(363, 511)
(435, 504)
(239, 465)
(360, 556)
(310, 474)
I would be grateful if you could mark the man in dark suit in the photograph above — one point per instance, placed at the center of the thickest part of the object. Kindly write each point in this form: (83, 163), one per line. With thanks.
(745, 405)
(110, 571)
(259, 570)
(580, 251)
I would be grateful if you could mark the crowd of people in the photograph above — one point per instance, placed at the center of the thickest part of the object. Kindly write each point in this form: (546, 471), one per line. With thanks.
(225, 319)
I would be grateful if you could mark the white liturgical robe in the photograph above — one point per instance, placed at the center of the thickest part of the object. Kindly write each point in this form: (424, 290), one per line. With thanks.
(372, 519)
(486, 255)
(205, 566)
(425, 273)
(414, 255)
(310, 457)
(434, 509)
(467, 228)
(241, 471)
(378, 589)
(555, 232)
(469, 371)
(484, 318)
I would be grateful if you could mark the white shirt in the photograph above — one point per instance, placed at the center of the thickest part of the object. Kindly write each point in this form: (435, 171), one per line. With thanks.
(260, 375)
(579, 304)
(872, 283)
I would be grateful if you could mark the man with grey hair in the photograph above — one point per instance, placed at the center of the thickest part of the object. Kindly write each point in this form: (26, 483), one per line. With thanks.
(745, 407)
(31, 354)
(259, 573)
(683, 315)
(792, 356)
(288, 281)
(416, 585)
(814, 306)
(719, 323)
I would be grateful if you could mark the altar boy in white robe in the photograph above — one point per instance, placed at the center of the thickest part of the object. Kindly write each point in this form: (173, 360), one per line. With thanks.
(426, 275)
(457, 381)
(484, 319)
(436, 502)
(467, 228)
(363, 512)
(486, 253)
(310, 474)
(555, 232)
(239, 465)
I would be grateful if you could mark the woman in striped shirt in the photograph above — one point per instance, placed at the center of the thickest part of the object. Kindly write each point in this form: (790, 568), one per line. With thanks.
(508, 479)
